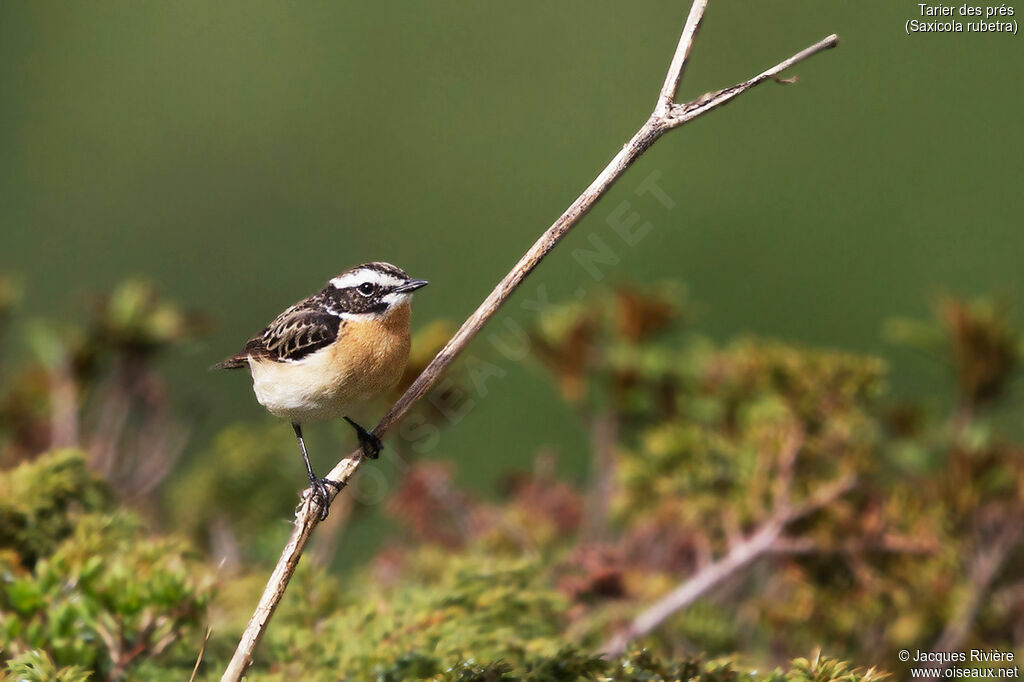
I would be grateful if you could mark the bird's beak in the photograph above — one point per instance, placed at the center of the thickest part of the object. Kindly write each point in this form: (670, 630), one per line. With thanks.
(411, 285)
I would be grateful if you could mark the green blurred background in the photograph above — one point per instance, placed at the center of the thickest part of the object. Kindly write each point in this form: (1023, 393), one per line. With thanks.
(239, 154)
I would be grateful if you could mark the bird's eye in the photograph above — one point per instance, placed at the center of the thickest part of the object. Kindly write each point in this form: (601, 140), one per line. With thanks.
(367, 289)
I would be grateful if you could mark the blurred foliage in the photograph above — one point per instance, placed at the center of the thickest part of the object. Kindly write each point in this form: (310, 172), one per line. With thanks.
(38, 500)
(10, 295)
(37, 666)
(95, 385)
(248, 462)
(588, 346)
(978, 337)
(446, 610)
(86, 585)
(886, 525)
(134, 318)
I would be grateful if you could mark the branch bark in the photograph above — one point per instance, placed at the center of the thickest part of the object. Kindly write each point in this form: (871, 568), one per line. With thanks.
(666, 115)
(985, 567)
(696, 586)
(741, 554)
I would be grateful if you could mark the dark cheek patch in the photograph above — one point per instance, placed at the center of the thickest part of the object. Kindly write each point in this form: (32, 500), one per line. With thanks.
(349, 300)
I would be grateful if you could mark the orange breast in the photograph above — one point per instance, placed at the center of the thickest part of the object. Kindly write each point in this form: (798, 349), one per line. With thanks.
(374, 352)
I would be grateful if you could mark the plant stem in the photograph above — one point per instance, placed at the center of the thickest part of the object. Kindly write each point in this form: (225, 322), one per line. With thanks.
(666, 116)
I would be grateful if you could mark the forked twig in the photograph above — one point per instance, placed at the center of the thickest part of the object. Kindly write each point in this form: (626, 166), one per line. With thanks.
(666, 116)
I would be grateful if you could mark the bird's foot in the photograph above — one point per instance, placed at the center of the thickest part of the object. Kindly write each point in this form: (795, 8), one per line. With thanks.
(370, 443)
(318, 488)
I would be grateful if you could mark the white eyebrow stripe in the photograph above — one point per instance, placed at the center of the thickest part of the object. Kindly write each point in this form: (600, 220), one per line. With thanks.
(354, 279)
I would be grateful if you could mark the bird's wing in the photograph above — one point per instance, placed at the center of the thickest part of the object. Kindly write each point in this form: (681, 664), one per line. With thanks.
(302, 329)
(294, 335)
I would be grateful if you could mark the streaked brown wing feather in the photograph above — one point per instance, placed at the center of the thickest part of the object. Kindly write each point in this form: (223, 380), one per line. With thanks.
(300, 330)
(294, 336)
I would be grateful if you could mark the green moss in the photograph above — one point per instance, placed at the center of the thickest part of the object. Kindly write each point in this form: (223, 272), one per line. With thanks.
(451, 608)
(40, 500)
(83, 588)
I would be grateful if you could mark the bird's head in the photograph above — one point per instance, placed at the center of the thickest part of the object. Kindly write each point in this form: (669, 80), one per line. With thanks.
(371, 290)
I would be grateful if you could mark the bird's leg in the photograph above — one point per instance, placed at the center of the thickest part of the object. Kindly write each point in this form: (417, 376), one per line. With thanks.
(319, 485)
(370, 443)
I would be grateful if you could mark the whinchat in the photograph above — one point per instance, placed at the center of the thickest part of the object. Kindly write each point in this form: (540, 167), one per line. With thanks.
(332, 351)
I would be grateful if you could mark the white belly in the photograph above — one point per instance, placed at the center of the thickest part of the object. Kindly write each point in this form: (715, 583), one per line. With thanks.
(311, 389)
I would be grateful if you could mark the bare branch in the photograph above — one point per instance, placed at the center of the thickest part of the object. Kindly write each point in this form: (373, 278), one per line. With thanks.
(786, 469)
(682, 113)
(767, 539)
(741, 555)
(682, 54)
(667, 115)
(202, 652)
(604, 430)
(823, 497)
(889, 544)
(985, 566)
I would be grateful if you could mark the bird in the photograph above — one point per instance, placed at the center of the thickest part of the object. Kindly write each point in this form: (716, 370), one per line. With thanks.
(331, 352)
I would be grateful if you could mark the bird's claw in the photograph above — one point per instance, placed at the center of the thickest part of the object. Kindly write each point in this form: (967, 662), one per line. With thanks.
(318, 492)
(370, 443)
